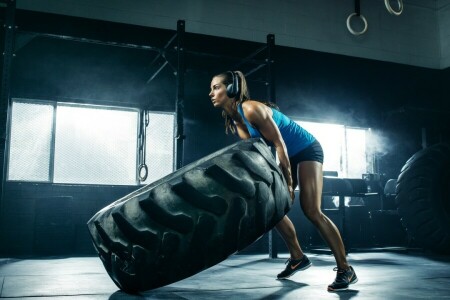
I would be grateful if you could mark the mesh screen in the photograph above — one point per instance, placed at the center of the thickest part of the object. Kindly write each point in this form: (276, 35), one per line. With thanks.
(95, 146)
(159, 146)
(92, 145)
(30, 142)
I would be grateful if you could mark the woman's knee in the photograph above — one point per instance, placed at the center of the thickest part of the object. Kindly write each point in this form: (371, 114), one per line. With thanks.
(314, 215)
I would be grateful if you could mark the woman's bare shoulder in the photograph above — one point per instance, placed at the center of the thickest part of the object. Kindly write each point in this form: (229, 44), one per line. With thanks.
(253, 109)
(251, 105)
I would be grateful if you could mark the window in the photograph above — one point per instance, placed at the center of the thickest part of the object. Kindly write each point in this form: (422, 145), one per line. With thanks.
(95, 145)
(81, 144)
(160, 146)
(30, 141)
(344, 148)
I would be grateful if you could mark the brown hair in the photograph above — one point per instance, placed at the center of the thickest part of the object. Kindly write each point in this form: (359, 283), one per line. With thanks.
(242, 96)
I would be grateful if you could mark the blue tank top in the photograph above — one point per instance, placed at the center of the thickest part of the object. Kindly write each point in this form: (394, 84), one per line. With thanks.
(295, 137)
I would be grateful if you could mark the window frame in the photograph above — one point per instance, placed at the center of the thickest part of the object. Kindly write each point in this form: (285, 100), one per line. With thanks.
(51, 165)
(174, 144)
(369, 161)
(8, 143)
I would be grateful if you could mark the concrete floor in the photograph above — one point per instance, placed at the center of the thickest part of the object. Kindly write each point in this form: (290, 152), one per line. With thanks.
(382, 275)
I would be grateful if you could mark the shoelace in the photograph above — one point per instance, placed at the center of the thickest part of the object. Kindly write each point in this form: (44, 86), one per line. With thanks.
(339, 270)
(290, 259)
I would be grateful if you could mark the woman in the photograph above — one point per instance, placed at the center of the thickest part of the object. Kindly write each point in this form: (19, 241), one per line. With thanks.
(300, 156)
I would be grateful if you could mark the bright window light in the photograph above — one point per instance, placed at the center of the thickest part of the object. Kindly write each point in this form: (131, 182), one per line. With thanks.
(30, 142)
(357, 163)
(95, 145)
(332, 139)
(85, 144)
(344, 148)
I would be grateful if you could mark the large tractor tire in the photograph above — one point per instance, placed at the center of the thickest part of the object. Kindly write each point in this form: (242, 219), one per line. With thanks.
(191, 219)
(423, 197)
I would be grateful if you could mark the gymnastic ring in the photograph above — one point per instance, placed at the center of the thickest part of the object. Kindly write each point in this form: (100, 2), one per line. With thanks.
(145, 168)
(389, 8)
(349, 27)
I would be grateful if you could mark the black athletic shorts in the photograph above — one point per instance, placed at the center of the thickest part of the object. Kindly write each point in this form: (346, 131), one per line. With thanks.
(313, 152)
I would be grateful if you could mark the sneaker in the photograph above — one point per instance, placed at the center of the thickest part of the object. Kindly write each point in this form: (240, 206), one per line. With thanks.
(295, 265)
(343, 279)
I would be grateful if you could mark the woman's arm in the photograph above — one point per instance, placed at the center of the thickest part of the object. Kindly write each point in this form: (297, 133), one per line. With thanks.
(259, 116)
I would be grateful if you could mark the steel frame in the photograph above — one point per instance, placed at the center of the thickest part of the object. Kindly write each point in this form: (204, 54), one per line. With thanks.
(179, 72)
(7, 56)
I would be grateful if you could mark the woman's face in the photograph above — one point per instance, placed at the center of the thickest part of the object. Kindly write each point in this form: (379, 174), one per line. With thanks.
(218, 92)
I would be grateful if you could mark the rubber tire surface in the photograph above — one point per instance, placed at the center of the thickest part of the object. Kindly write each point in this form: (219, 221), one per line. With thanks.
(423, 198)
(191, 219)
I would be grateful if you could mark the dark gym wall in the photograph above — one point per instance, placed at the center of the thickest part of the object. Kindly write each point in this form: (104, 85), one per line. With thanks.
(310, 85)
(395, 100)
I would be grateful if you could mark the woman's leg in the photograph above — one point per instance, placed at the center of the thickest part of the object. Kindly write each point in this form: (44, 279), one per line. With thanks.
(287, 232)
(311, 183)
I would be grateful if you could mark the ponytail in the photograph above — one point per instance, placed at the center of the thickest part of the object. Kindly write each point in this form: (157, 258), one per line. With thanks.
(242, 96)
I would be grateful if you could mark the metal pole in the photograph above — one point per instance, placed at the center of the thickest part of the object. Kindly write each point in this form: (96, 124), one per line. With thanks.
(8, 54)
(89, 41)
(341, 210)
(270, 82)
(270, 68)
(254, 70)
(250, 57)
(180, 94)
(161, 54)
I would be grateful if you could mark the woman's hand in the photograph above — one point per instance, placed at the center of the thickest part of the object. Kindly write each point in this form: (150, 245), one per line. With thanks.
(289, 181)
(291, 192)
